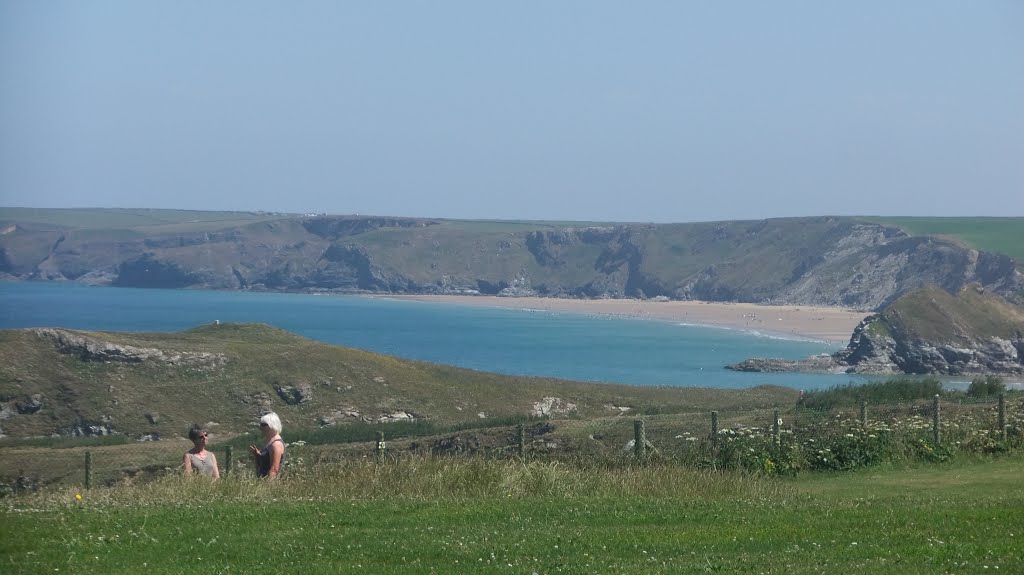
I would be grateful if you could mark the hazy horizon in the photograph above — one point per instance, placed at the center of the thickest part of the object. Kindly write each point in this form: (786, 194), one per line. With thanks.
(575, 111)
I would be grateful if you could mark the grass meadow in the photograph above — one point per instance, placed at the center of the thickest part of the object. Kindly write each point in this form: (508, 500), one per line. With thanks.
(442, 515)
(999, 235)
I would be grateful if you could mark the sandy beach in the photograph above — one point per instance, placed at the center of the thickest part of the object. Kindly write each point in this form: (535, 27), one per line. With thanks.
(819, 323)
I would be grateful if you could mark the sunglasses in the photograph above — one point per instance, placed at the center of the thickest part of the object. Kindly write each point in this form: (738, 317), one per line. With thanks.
(264, 424)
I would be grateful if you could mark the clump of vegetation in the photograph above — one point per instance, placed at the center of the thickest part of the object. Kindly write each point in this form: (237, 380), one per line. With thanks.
(67, 442)
(878, 329)
(986, 386)
(875, 392)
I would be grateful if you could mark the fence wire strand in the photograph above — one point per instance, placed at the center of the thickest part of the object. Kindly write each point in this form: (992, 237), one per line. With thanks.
(785, 439)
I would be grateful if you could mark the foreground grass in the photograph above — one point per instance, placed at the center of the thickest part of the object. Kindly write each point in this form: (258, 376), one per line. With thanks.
(489, 516)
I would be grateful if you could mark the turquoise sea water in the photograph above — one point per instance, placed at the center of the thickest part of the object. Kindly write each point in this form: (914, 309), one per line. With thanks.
(524, 342)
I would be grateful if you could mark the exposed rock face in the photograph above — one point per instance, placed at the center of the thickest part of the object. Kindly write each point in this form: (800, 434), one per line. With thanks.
(92, 349)
(30, 405)
(806, 261)
(340, 415)
(818, 364)
(552, 406)
(294, 394)
(882, 345)
(396, 416)
(89, 429)
(150, 271)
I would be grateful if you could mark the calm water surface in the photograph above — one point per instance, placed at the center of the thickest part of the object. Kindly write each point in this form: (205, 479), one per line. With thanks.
(522, 342)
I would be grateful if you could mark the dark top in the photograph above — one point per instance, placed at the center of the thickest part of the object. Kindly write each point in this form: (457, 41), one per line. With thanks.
(263, 459)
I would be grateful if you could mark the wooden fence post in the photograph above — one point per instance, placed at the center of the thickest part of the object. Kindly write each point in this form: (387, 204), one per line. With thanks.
(714, 430)
(639, 438)
(379, 450)
(775, 428)
(1002, 416)
(88, 470)
(936, 419)
(864, 414)
(228, 460)
(521, 440)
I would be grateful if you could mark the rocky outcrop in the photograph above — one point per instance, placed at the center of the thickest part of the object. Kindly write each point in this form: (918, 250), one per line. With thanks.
(896, 342)
(89, 429)
(149, 270)
(91, 349)
(549, 406)
(29, 405)
(294, 394)
(341, 415)
(396, 416)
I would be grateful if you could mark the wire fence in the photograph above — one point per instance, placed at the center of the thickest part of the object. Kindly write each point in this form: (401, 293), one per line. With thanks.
(779, 440)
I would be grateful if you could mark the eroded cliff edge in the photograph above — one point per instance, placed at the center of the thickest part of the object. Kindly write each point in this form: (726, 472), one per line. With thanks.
(827, 261)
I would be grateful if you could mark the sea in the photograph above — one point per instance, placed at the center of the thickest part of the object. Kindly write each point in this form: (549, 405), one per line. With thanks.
(511, 341)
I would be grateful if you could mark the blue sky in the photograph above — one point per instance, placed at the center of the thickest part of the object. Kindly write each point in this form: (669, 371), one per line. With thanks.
(656, 111)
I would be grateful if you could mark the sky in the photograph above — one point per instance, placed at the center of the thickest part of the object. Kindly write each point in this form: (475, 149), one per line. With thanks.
(594, 110)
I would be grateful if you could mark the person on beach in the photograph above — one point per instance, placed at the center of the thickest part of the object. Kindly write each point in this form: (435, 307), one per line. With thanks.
(269, 459)
(198, 459)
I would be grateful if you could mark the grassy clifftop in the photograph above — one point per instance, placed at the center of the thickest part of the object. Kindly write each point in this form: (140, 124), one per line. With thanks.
(997, 235)
(136, 219)
(227, 374)
(934, 315)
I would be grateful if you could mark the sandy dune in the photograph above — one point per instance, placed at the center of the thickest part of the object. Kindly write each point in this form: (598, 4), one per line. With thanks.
(820, 323)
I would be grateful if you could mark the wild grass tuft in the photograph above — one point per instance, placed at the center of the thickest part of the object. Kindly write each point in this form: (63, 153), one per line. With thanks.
(430, 479)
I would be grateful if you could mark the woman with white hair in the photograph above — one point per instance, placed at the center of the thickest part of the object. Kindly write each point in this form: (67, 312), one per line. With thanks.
(269, 459)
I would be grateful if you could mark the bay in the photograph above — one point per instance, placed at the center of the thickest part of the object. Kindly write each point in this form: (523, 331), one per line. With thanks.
(520, 342)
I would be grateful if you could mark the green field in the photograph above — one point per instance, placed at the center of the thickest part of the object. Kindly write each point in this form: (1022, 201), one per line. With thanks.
(135, 219)
(446, 516)
(183, 221)
(832, 491)
(999, 235)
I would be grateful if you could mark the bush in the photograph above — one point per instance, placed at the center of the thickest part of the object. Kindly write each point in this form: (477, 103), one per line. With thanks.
(874, 392)
(985, 386)
(854, 450)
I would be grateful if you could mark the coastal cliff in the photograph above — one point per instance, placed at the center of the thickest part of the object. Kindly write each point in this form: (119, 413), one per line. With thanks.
(927, 331)
(824, 261)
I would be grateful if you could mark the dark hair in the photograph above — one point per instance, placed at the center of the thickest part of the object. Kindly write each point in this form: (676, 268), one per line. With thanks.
(195, 431)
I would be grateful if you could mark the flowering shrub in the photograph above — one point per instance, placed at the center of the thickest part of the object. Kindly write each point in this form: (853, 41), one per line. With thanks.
(836, 441)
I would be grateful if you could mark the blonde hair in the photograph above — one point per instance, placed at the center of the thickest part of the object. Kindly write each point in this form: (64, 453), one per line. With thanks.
(272, 421)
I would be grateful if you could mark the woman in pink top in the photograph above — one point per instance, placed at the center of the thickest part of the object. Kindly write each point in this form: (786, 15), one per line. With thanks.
(198, 459)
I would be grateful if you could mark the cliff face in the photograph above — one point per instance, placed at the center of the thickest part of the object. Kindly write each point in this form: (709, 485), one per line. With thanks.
(807, 261)
(927, 331)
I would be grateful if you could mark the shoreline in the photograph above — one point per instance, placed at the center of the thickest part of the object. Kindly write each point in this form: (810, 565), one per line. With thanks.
(827, 324)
